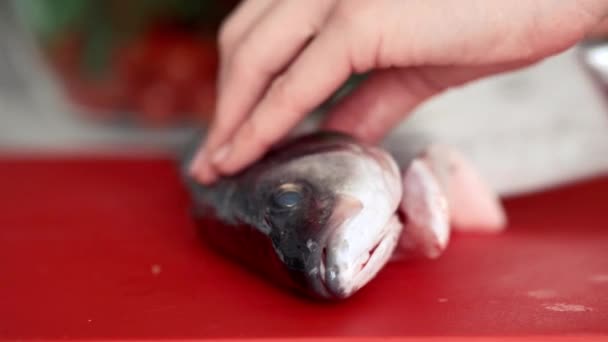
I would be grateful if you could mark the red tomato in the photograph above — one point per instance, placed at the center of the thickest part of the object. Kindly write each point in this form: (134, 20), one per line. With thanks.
(97, 96)
(157, 104)
(139, 61)
(187, 60)
(165, 71)
(133, 70)
(130, 63)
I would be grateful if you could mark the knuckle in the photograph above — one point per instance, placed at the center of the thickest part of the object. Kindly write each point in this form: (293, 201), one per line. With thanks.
(256, 134)
(281, 95)
(420, 83)
(242, 62)
(227, 36)
(221, 124)
(361, 37)
(255, 59)
(249, 58)
(352, 15)
(344, 15)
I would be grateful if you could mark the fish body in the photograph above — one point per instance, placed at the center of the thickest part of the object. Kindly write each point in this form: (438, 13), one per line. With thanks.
(318, 213)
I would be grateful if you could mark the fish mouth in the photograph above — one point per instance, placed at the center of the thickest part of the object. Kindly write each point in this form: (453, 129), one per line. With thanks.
(340, 278)
(363, 243)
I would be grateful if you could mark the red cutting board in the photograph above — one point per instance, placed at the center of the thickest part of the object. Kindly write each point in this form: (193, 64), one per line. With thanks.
(105, 249)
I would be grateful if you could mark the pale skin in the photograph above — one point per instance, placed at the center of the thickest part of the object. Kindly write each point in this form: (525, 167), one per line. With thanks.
(280, 59)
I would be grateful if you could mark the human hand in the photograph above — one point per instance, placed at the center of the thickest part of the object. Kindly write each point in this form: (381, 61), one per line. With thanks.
(600, 31)
(281, 59)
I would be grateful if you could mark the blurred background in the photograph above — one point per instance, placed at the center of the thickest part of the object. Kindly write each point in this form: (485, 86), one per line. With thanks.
(74, 72)
(81, 73)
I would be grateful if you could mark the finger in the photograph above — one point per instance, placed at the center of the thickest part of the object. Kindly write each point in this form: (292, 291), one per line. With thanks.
(265, 52)
(240, 22)
(388, 96)
(379, 103)
(239, 26)
(234, 29)
(600, 31)
(321, 68)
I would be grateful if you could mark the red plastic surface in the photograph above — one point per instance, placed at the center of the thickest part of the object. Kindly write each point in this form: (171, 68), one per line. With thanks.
(106, 249)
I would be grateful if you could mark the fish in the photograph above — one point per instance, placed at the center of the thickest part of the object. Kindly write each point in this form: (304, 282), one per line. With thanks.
(323, 213)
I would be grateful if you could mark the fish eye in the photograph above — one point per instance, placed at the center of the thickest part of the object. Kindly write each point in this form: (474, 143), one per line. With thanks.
(288, 196)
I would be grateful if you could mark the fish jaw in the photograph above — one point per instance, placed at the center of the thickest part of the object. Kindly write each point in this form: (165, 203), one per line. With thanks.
(343, 275)
(363, 243)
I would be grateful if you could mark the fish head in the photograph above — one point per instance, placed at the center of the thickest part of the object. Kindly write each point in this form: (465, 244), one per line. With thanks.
(328, 204)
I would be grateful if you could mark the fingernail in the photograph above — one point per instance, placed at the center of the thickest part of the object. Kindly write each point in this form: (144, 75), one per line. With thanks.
(221, 154)
(206, 176)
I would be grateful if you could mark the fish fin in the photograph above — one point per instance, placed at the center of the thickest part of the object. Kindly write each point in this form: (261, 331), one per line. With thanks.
(427, 230)
(474, 206)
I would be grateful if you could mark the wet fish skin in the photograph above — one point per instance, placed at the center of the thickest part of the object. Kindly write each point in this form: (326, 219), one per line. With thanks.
(292, 206)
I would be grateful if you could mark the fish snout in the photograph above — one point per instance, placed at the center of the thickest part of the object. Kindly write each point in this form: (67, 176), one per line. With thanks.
(349, 261)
